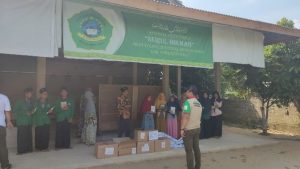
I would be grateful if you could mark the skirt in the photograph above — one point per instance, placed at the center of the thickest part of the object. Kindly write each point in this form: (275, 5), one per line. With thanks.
(148, 122)
(179, 125)
(172, 129)
(24, 139)
(216, 128)
(161, 122)
(89, 131)
(206, 129)
(42, 137)
(63, 135)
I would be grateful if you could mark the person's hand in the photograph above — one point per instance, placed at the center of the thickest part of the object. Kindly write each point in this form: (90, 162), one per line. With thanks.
(182, 134)
(30, 113)
(65, 107)
(10, 125)
(50, 111)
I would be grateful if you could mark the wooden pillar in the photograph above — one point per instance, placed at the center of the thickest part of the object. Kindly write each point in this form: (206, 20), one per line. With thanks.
(179, 82)
(135, 94)
(40, 74)
(217, 72)
(135, 73)
(166, 80)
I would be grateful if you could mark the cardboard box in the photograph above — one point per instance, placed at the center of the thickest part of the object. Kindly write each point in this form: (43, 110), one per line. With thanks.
(127, 151)
(145, 147)
(106, 150)
(163, 144)
(127, 144)
(153, 135)
(121, 139)
(141, 135)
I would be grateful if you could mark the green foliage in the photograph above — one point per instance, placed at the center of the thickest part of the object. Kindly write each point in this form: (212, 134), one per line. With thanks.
(233, 80)
(277, 84)
(286, 23)
(203, 78)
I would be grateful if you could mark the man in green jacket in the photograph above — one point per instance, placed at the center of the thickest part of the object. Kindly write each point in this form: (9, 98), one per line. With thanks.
(64, 109)
(41, 120)
(23, 110)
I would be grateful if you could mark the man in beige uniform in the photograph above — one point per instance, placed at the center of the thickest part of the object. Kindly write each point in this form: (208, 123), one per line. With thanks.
(190, 129)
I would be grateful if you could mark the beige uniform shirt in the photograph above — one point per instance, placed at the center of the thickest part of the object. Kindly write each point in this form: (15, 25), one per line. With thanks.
(194, 108)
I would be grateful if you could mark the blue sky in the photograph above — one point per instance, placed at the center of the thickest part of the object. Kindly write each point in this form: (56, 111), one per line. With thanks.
(262, 10)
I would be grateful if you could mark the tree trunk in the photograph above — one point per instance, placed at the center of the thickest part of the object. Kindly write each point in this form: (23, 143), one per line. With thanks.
(264, 119)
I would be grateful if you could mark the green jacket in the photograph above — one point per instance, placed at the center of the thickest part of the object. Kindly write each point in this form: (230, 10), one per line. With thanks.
(40, 116)
(21, 110)
(61, 114)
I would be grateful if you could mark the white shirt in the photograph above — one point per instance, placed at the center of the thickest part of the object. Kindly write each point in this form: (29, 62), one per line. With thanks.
(4, 106)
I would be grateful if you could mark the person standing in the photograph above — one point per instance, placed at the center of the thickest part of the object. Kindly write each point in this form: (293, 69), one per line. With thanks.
(160, 105)
(206, 116)
(64, 109)
(123, 106)
(5, 121)
(190, 128)
(89, 131)
(173, 109)
(23, 110)
(181, 102)
(148, 119)
(216, 115)
(41, 120)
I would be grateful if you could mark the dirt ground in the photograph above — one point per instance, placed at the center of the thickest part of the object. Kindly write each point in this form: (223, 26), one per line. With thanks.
(284, 155)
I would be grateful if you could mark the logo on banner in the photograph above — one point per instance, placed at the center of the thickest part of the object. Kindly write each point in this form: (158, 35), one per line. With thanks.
(90, 30)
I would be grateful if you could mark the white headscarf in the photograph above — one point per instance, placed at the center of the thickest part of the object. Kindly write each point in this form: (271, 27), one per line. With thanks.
(89, 102)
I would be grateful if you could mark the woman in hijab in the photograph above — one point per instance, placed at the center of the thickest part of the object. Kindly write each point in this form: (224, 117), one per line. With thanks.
(216, 115)
(89, 131)
(206, 116)
(148, 119)
(173, 109)
(160, 105)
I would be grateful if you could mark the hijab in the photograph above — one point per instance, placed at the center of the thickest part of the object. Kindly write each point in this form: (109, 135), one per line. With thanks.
(89, 101)
(160, 100)
(173, 103)
(146, 105)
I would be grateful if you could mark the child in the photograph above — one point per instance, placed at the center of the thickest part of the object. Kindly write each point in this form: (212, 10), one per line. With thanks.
(147, 111)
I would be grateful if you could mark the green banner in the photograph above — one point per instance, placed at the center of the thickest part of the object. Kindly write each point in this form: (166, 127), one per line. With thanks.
(95, 31)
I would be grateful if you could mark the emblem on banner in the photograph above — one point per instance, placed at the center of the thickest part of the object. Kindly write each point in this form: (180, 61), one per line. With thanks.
(90, 30)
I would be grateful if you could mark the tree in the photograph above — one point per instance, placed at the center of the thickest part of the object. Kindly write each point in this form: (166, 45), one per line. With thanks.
(284, 22)
(290, 62)
(277, 84)
(202, 78)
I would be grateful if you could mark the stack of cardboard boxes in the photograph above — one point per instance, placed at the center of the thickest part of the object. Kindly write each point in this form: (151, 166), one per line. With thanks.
(145, 142)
